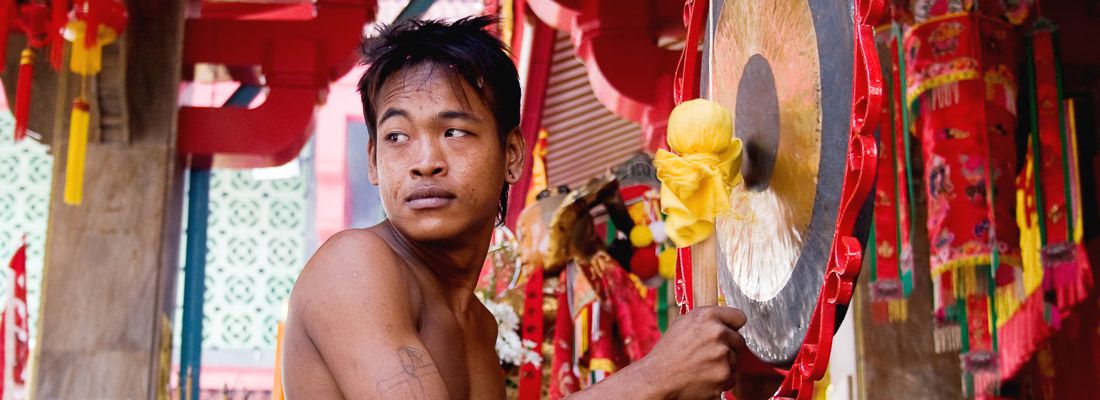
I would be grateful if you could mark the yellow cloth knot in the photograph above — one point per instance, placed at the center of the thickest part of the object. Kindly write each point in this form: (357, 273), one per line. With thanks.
(696, 184)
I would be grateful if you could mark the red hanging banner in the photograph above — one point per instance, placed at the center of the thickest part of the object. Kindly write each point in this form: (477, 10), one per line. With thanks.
(1064, 261)
(16, 349)
(960, 78)
(892, 267)
(530, 375)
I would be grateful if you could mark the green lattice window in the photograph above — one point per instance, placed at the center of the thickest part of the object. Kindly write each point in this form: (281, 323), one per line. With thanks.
(25, 172)
(255, 250)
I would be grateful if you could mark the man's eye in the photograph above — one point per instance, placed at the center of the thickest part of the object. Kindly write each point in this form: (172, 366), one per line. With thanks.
(455, 133)
(397, 137)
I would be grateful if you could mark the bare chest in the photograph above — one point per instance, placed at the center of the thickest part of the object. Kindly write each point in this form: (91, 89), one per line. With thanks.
(464, 355)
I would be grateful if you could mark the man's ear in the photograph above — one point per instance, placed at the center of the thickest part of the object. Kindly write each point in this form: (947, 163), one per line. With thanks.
(515, 151)
(372, 153)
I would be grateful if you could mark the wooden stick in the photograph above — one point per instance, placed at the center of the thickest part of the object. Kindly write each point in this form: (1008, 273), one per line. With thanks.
(704, 281)
(704, 273)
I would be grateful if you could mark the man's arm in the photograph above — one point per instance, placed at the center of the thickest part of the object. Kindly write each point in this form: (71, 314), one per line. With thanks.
(352, 304)
(695, 359)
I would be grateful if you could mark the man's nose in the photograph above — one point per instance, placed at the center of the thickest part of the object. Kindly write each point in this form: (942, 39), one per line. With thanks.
(430, 160)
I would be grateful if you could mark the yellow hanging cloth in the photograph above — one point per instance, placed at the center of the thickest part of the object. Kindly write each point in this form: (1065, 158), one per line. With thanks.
(697, 179)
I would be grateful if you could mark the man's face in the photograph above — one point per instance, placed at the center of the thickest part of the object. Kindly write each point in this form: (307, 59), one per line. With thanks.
(437, 157)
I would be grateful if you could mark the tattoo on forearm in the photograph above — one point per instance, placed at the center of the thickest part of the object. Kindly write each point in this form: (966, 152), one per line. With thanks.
(415, 364)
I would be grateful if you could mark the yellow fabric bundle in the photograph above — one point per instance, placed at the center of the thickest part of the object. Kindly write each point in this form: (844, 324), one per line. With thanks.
(696, 180)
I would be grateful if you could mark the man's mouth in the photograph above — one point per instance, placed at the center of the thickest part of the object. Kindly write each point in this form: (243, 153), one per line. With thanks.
(428, 197)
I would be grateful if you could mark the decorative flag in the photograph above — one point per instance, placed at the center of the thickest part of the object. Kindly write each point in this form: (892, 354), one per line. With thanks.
(530, 373)
(16, 330)
(960, 79)
(1056, 274)
(604, 323)
(1064, 261)
(892, 264)
(563, 376)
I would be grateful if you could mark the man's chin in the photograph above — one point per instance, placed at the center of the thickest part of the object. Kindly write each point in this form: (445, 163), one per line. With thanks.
(440, 228)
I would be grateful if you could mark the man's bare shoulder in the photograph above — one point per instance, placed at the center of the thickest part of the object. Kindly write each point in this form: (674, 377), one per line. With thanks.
(351, 325)
(354, 268)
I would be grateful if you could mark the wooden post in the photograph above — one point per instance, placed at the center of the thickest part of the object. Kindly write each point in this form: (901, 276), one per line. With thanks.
(110, 267)
(900, 354)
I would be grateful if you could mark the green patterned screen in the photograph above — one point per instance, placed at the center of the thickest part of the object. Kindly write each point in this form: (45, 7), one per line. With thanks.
(255, 249)
(25, 172)
(256, 245)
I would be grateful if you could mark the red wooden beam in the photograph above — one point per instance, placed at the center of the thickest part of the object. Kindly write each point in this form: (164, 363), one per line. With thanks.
(298, 57)
(616, 40)
(538, 74)
(560, 14)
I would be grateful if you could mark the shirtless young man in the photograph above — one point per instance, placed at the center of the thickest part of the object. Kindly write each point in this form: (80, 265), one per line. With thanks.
(389, 312)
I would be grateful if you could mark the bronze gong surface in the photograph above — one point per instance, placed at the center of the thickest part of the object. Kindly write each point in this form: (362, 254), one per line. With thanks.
(783, 69)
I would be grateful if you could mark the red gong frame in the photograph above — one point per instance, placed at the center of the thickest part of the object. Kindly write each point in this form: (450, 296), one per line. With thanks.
(846, 255)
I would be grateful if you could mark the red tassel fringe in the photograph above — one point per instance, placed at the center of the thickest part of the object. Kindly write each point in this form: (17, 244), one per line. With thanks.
(23, 93)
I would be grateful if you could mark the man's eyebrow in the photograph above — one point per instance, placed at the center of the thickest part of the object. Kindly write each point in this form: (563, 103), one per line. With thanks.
(392, 112)
(453, 114)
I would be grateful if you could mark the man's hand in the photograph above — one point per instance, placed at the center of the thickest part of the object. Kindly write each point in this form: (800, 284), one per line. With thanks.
(695, 359)
(696, 355)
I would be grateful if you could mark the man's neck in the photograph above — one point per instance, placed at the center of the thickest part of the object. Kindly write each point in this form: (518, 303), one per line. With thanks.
(454, 264)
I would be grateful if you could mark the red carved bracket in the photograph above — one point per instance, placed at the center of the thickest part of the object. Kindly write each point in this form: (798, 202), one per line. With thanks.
(628, 72)
(299, 48)
(559, 14)
(846, 257)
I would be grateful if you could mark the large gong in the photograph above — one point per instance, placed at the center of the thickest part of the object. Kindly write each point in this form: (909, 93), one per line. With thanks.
(783, 68)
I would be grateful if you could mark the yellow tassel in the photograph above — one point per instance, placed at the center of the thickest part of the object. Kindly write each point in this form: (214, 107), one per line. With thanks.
(78, 147)
(1008, 300)
(1071, 133)
(85, 62)
(898, 310)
